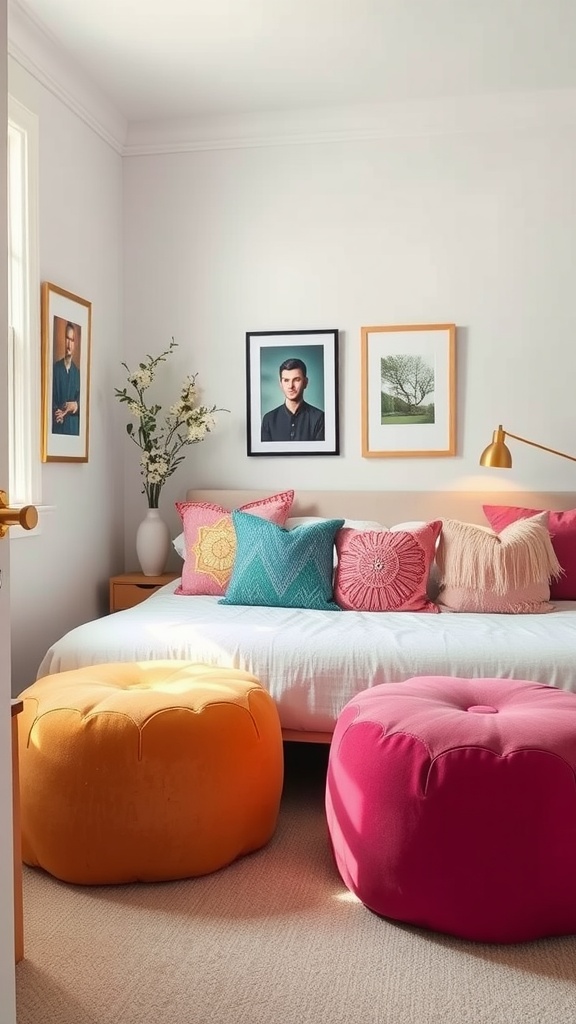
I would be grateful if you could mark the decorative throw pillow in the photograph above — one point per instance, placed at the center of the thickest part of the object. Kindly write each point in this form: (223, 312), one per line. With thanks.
(354, 524)
(562, 528)
(210, 541)
(482, 571)
(179, 544)
(282, 568)
(385, 570)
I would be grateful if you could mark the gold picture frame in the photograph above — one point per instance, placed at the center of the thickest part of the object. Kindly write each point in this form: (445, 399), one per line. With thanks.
(409, 391)
(66, 343)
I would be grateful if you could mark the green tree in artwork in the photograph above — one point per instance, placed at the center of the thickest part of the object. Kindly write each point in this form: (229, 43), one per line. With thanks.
(409, 379)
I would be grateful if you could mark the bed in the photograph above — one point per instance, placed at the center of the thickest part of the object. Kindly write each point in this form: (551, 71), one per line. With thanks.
(312, 662)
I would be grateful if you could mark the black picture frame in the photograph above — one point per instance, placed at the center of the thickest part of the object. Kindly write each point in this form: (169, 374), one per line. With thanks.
(266, 352)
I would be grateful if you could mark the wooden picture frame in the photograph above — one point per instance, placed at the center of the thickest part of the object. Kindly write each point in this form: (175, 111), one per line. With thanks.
(66, 342)
(274, 425)
(409, 391)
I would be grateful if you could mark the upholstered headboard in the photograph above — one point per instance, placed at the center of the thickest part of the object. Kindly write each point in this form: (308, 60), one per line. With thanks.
(389, 507)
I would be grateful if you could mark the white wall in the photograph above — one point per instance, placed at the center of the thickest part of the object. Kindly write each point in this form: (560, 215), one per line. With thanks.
(472, 227)
(60, 573)
(473, 221)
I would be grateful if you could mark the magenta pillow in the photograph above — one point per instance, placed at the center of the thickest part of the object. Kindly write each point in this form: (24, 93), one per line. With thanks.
(562, 527)
(210, 540)
(384, 570)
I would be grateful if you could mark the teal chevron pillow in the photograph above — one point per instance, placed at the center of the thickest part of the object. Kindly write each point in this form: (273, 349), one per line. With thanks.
(282, 568)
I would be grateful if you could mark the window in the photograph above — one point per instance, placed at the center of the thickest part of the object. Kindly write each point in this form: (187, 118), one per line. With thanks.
(23, 308)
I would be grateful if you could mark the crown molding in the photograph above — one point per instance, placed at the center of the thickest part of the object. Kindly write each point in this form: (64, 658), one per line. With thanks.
(447, 116)
(43, 57)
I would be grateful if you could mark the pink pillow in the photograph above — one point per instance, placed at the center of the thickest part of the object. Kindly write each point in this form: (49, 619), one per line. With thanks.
(210, 541)
(482, 571)
(562, 527)
(384, 570)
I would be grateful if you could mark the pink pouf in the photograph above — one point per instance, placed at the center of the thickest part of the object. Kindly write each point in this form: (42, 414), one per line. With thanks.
(451, 804)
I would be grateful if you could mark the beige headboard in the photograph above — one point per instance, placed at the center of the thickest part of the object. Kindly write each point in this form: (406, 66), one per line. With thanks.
(389, 507)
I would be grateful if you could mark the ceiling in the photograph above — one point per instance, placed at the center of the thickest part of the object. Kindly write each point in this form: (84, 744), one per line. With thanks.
(157, 59)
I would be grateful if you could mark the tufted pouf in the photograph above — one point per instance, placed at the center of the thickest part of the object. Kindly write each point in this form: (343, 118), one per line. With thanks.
(148, 771)
(451, 804)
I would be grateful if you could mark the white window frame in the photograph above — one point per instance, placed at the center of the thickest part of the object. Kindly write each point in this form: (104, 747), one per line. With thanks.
(24, 383)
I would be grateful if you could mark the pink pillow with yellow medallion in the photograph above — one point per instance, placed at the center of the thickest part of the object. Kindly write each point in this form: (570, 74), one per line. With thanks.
(385, 570)
(210, 540)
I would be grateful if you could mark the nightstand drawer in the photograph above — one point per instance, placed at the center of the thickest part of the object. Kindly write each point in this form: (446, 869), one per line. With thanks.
(132, 588)
(129, 594)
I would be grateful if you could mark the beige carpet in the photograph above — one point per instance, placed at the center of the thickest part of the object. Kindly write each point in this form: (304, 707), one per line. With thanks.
(273, 939)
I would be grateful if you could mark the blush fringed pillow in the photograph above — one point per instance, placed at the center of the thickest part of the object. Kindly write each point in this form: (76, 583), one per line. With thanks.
(385, 570)
(210, 540)
(482, 571)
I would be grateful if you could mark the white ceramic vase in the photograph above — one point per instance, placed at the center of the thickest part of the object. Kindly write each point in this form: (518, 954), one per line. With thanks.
(152, 543)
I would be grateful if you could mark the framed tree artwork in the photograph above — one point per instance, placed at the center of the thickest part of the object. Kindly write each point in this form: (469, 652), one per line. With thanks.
(292, 392)
(409, 391)
(66, 339)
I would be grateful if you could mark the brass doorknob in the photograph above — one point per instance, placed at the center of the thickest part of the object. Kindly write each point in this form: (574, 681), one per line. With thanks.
(26, 517)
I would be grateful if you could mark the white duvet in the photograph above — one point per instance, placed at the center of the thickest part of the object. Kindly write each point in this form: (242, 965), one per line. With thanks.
(313, 662)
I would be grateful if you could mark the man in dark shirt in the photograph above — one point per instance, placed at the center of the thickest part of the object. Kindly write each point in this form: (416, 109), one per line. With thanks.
(295, 420)
(66, 389)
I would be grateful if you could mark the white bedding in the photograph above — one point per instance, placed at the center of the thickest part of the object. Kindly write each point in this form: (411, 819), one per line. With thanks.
(313, 662)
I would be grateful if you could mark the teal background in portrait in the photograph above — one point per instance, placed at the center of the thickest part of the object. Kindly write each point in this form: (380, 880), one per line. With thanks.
(271, 357)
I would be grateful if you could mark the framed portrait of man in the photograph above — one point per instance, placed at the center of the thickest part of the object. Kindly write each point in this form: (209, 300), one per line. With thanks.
(66, 329)
(292, 392)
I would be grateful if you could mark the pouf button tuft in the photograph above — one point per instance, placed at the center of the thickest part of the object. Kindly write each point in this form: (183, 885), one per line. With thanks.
(483, 709)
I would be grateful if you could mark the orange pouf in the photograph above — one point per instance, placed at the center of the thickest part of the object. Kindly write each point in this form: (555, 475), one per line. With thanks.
(146, 772)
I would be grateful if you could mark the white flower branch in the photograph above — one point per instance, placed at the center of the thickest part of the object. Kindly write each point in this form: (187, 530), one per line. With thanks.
(161, 443)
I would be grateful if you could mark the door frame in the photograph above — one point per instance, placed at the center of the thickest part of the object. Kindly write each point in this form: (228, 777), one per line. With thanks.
(7, 965)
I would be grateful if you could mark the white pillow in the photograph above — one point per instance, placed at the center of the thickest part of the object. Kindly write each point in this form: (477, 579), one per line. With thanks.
(352, 524)
(407, 526)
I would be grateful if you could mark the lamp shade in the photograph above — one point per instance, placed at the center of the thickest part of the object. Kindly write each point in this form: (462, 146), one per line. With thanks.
(497, 454)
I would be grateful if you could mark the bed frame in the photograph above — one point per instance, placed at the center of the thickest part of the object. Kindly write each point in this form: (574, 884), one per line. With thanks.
(389, 507)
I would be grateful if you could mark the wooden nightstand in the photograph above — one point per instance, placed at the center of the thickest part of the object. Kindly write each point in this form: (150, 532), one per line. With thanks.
(130, 588)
